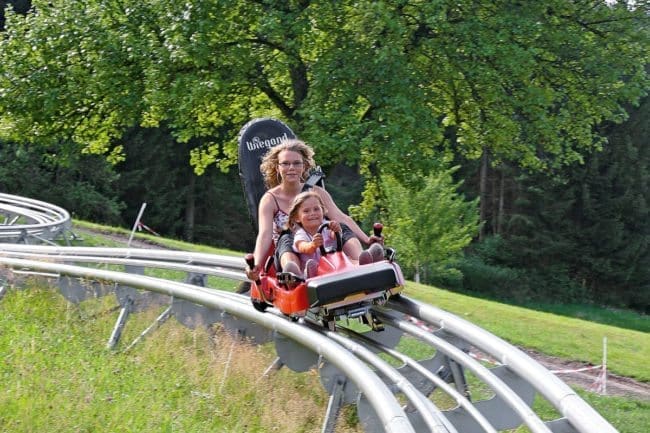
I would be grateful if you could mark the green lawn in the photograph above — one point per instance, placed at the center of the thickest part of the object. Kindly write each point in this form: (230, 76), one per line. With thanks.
(553, 334)
(58, 376)
(575, 339)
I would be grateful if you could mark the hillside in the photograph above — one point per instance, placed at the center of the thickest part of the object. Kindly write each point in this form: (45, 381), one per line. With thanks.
(574, 371)
(49, 339)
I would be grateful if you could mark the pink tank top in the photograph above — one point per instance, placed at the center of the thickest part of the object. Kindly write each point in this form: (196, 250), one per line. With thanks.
(280, 219)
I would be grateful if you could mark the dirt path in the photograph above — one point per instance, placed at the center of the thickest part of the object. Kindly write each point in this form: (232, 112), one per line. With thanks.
(614, 385)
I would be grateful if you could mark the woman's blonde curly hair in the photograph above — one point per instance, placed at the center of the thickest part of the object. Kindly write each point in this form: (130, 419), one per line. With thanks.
(269, 165)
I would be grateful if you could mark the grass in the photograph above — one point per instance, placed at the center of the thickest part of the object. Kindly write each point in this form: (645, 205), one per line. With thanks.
(58, 376)
(617, 317)
(626, 415)
(88, 239)
(565, 337)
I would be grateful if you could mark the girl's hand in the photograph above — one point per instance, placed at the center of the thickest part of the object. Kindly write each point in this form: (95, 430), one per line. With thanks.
(317, 240)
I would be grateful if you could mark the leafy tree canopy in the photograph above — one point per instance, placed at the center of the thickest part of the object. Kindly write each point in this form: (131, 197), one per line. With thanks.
(387, 84)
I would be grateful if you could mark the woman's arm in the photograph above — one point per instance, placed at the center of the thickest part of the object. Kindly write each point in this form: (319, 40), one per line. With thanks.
(264, 238)
(334, 213)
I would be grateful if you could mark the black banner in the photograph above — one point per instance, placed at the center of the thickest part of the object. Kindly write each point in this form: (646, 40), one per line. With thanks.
(255, 139)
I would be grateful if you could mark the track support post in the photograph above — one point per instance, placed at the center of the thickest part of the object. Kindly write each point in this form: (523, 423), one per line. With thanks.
(334, 406)
(119, 325)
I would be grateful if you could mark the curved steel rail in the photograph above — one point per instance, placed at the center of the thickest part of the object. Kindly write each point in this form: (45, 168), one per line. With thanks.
(26, 218)
(514, 383)
(210, 264)
(581, 416)
(375, 390)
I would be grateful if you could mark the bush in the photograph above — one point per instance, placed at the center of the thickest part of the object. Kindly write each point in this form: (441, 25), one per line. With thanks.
(485, 273)
(517, 285)
(490, 280)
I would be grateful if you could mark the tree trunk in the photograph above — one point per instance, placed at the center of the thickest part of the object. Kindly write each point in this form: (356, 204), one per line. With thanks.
(494, 202)
(483, 193)
(501, 202)
(190, 209)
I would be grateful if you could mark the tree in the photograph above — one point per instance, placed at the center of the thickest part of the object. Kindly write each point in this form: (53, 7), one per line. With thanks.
(430, 222)
(205, 209)
(585, 230)
(611, 217)
(371, 82)
(20, 6)
(391, 86)
(85, 185)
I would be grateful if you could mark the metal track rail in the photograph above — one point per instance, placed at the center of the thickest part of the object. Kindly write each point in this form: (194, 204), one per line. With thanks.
(354, 367)
(27, 220)
(100, 254)
(221, 266)
(577, 412)
(374, 389)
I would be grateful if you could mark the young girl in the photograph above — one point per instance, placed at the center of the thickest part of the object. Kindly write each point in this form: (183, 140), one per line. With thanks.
(305, 217)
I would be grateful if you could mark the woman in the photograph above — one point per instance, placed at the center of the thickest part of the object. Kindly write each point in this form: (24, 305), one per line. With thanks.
(285, 168)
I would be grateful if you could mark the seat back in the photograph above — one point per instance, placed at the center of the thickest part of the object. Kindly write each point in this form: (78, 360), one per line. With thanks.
(255, 139)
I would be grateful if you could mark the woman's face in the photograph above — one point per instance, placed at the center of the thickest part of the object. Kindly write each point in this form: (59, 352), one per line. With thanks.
(290, 165)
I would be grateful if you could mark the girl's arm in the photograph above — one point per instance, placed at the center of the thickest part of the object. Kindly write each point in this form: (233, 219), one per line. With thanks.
(304, 246)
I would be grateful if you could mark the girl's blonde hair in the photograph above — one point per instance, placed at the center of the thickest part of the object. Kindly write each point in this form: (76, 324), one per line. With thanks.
(297, 203)
(269, 165)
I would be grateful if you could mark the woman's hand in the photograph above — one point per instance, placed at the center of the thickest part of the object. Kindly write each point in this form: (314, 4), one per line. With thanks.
(335, 226)
(253, 274)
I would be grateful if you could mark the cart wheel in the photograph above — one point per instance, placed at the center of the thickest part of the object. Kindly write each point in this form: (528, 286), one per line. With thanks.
(244, 287)
(329, 323)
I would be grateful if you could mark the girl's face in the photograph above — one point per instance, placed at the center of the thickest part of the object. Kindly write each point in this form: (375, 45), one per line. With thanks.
(310, 214)
(290, 165)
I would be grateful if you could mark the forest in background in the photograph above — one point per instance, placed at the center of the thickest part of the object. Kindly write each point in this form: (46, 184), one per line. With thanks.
(531, 116)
